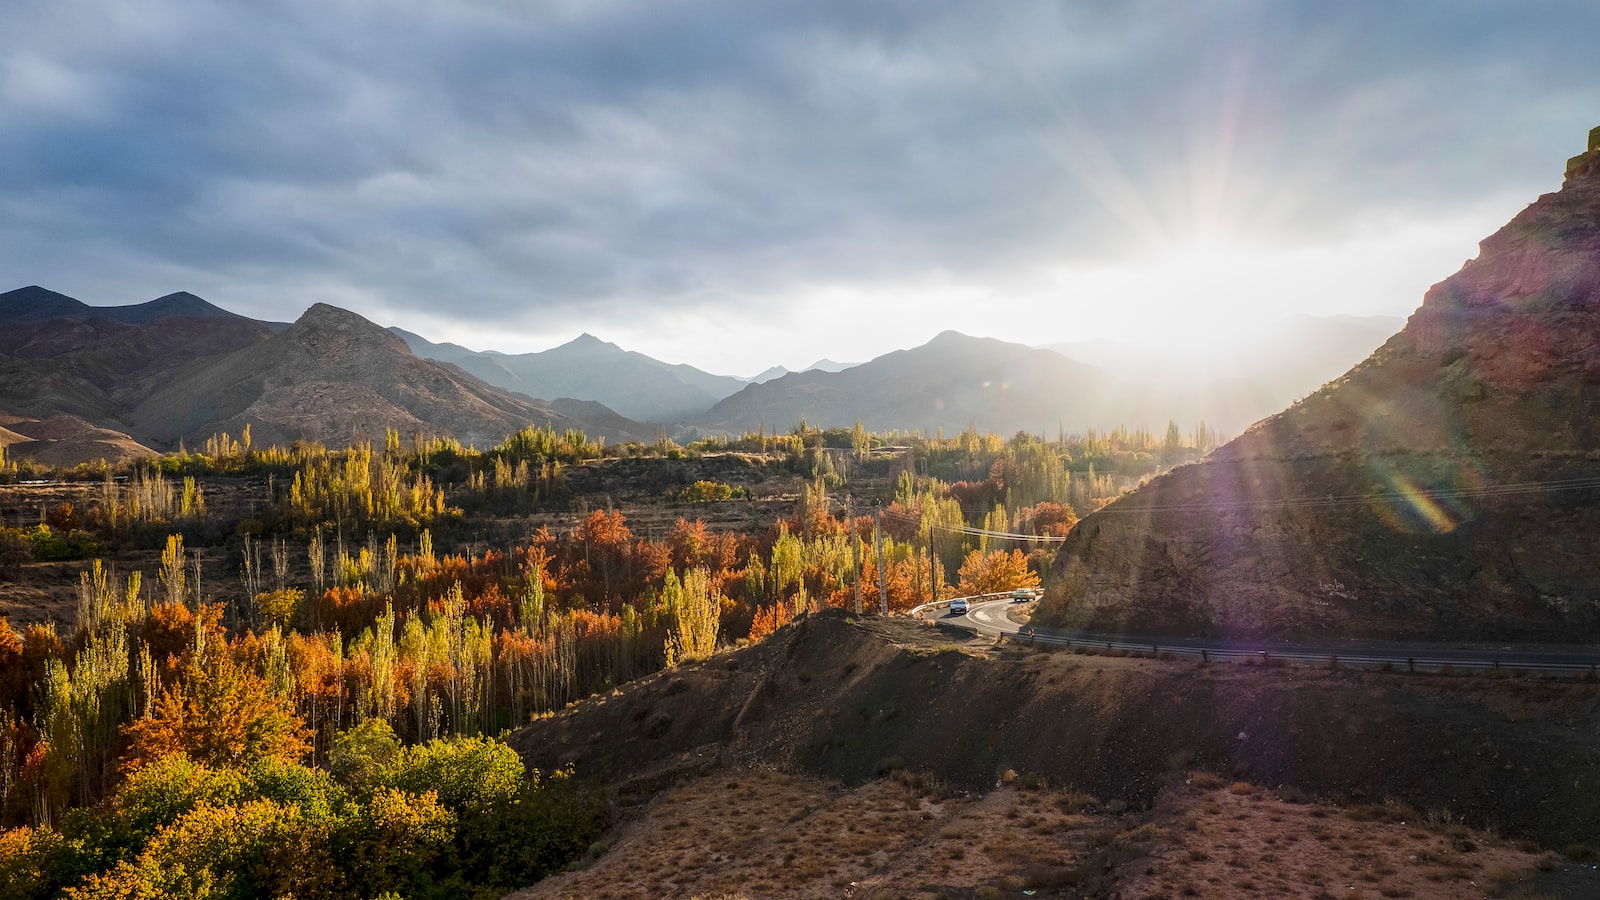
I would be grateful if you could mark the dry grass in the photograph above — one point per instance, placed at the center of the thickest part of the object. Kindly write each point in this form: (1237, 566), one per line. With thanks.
(1243, 842)
(769, 834)
(764, 833)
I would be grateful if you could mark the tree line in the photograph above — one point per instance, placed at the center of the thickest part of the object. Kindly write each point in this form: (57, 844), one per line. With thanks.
(352, 644)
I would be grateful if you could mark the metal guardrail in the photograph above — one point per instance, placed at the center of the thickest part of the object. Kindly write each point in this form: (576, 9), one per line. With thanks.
(975, 598)
(1491, 664)
(920, 609)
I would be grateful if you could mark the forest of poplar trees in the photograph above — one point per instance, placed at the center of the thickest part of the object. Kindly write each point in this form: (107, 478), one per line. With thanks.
(339, 696)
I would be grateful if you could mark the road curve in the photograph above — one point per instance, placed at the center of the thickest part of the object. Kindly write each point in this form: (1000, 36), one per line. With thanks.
(990, 616)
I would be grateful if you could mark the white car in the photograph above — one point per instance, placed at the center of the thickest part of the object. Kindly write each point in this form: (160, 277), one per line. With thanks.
(958, 607)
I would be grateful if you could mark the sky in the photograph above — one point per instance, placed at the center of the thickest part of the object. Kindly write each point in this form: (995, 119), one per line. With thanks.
(738, 184)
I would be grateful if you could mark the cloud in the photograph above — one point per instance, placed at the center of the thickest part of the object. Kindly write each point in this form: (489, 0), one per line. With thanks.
(537, 167)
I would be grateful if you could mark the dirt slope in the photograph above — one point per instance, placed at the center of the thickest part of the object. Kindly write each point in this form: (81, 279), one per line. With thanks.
(851, 701)
(64, 441)
(1448, 487)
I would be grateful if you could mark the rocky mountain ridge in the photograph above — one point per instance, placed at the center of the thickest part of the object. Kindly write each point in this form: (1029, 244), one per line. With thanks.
(1447, 487)
(951, 383)
(37, 304)
(335, 377)
(956, 381)
(193, 370)
(633, 384)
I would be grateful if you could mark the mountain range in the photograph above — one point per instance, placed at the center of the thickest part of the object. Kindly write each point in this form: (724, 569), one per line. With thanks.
(631, 383)
(1447, 487)
(179, 369)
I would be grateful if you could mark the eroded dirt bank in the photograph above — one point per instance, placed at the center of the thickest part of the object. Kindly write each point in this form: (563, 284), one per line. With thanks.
(836, 698)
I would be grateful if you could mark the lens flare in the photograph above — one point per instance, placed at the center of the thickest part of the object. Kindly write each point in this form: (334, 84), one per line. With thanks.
(1433, 505)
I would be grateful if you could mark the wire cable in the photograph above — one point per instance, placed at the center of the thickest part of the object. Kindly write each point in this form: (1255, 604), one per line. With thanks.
(1497, 490)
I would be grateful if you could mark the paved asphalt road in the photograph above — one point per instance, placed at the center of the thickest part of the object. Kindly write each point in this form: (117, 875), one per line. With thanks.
(992, 617)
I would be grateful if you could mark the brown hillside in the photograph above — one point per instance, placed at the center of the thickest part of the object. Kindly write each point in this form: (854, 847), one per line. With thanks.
(100, 368)
(65, 441)
(1444, 488)
(850, 701)
(335, 377)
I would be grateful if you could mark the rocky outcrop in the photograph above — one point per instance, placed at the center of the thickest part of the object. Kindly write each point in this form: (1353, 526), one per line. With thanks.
(1447, 487)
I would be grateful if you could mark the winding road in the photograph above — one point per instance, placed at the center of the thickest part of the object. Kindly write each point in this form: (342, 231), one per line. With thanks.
(991, 614)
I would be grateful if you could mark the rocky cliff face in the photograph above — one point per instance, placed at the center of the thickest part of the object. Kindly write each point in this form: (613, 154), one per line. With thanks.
(1447, 487)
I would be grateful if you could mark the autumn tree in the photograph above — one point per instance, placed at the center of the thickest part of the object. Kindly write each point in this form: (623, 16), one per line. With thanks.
(1046, 519)
(769, 619)
(605, 538)
(220, 713)
(174, 579)
(995, 572)
(694, 608)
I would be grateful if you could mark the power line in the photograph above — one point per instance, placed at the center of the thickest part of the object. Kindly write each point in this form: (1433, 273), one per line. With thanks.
(1498, 490)
(981, 532)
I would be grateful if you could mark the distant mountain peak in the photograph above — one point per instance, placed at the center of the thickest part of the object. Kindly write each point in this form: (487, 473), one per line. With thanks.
(323, 321)
(768, 375)
(827, 365)
(179, 303)
(587, 341)
(34, 290)
(33, 303)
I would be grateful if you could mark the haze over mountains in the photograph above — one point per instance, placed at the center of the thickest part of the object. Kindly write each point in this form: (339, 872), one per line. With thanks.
(586, 367)
(178, 369)
(1445, 488)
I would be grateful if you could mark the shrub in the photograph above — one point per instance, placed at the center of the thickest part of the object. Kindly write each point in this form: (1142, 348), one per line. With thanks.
(704, 492)
(15, 551)
(159, 793)
(211, 852)
(393, 843)
(464, 771)
(517, 840)
(35, 862)
(312, 791)
(49, 544)
(359, 754)
(1578, 852)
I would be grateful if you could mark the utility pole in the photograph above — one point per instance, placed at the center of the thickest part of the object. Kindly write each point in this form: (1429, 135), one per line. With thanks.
(855, 552)
(877, 538)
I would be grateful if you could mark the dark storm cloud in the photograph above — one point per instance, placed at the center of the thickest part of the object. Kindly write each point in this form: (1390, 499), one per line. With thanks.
(541, 157)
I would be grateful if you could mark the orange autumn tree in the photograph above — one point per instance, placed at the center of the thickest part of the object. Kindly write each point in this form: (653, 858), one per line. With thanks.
(995, 571)
(605, 539)
(221, 714)
(769, 619)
